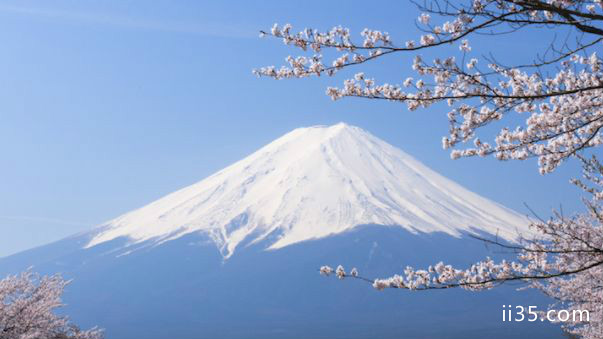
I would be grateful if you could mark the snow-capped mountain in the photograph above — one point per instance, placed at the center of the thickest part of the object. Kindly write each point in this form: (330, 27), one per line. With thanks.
(237, 254)
(311, 183)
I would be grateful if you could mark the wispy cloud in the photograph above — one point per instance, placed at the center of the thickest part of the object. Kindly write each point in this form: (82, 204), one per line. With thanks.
(22, 218)
(204, 28)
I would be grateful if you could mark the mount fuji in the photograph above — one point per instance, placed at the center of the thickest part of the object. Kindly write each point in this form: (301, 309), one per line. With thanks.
(311, 183)
(236, 254)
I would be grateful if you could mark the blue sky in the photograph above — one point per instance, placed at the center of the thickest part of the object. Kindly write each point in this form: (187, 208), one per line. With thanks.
(106, 106)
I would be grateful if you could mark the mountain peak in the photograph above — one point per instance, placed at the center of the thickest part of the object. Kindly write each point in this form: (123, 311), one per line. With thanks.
(319, 133)
(311, 183)
(341, 126)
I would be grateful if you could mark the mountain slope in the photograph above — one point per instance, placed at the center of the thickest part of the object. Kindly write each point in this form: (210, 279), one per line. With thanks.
(184, 289)
(311, 183)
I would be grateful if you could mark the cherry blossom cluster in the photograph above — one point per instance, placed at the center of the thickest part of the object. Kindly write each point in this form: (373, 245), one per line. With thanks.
(27, 305)
(562, 107)
(340, 272)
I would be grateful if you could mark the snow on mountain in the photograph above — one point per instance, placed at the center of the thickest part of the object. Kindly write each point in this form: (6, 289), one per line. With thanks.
(311, 183)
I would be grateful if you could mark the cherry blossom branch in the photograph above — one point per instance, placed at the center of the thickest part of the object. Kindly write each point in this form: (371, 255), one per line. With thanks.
(423, 280)
(565, 107)
(318, 41)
